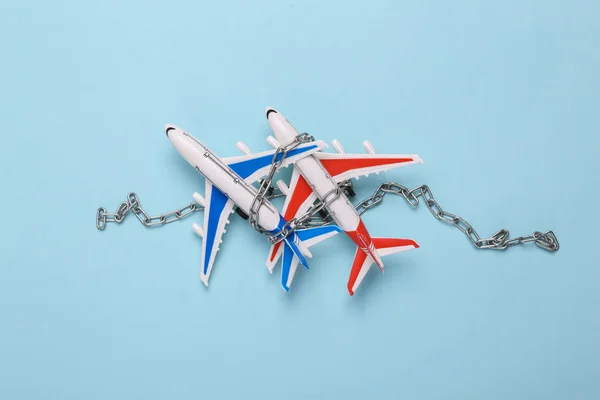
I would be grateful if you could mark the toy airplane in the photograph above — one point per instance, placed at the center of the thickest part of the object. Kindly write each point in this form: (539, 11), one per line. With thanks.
(317, 176)
(229, 182)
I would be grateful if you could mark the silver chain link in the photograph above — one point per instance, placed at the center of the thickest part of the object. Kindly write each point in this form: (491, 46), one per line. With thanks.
(266, 184)
(498, 241)
(307, 220)
(132, 204)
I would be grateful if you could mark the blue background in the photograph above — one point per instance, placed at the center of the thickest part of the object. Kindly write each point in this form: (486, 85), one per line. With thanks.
(499, 98)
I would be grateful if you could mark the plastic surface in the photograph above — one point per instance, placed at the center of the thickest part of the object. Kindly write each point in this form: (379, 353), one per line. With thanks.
(274, 143)
(199, 199)
(368, 147)
(242, 147)
(337, 146)
(229, 182)
(197, 229)
(285, 189)
(317, 175)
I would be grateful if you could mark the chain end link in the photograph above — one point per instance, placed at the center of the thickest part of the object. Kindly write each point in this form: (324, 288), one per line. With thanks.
(101, 218)
(547, 241)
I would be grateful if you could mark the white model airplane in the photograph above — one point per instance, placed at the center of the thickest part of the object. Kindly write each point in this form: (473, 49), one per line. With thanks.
(229, 182)
(317, 177)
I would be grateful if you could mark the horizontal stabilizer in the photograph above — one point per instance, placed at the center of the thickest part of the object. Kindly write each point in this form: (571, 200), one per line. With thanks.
(292, 255)
(363, 261)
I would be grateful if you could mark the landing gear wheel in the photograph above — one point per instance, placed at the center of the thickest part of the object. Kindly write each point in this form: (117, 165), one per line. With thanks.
(242, 214)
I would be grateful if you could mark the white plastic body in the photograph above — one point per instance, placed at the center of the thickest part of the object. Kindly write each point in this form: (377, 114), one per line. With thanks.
(197, 229)
(242, 147)
(368, 147)
(222, 177)
(341, 209)
(285, 189)
(337, 146)
(274, 143)
(304, 249)
(199, 199)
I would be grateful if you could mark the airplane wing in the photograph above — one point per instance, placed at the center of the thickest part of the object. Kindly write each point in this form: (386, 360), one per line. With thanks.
(299, 200)
(216, 216)
(342, 167)
(252, 167)
(362, 261)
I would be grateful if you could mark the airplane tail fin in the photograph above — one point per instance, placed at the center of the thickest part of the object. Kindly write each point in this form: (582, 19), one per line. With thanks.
(382, 247)
(295, 248)
(291, 242)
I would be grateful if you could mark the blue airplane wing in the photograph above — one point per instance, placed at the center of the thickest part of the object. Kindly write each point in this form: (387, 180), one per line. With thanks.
(216, 216)
(252, 167)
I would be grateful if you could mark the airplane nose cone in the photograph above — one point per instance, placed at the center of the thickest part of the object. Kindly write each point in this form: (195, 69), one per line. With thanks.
(284, 131)
(269, 110)
(169, 128)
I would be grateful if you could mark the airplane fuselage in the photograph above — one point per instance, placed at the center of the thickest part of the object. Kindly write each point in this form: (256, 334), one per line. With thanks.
(324, 186)
(336, 202)
(224, 178)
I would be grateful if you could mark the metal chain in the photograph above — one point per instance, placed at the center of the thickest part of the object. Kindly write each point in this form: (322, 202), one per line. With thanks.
(498, 241)
(311, 220)
(266, 191)
(265, 186)
(132, 204)
(307, 220)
